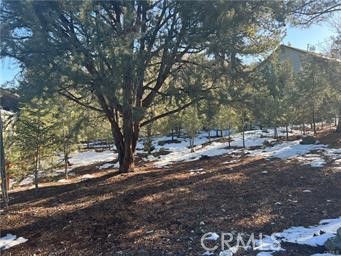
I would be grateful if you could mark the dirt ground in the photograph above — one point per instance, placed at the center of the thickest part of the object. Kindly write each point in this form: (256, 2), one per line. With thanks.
(166, 211)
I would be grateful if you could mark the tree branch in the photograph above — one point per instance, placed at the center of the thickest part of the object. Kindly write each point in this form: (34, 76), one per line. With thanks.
(169, 112)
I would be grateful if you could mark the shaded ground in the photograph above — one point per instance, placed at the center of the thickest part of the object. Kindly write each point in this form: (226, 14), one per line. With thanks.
(166, 211)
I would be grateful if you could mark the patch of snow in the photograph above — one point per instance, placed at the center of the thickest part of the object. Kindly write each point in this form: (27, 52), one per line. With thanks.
(325, 254)
(212, 236)
(10, 240)
(312, 236)
(284, 150)
(77, 160)
(306, 191)
(107, 166)
(207, 253)
(268, 243)
(264, 254)
(334, 153)
(180, 152)
(150, 158)
(229, 252)
(28, 180)
(91, 157)
(290, 149)
(318, 163)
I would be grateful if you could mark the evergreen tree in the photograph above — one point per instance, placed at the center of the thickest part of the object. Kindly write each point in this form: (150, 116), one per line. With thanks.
(312, 86)
(68, 119)
(116, 57)
(35, 135)
(192, 125)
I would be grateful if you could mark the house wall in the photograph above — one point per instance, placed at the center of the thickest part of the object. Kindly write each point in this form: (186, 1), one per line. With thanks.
(294, 57)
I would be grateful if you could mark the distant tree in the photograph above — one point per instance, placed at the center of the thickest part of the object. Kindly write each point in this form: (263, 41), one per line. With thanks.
(35, 135)
(173, 124)
(312, 86)
(277, 78)
(226, 119)
(69, 119)
(245, 117)
(192, 125)
(334, 71)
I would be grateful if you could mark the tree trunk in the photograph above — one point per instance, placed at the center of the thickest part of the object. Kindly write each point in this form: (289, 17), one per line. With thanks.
(275, 132)
(172, 132)
(191, 143)
(66, 162)
(229, 130)
(149, 140)
(3, 167)
(287, 131)
(36, 169)
(243, 127)
(314, 125)
(126, 144)
(209, 135)
(338, 129)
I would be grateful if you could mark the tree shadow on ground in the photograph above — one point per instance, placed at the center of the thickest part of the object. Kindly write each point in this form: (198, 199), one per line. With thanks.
(168, 210)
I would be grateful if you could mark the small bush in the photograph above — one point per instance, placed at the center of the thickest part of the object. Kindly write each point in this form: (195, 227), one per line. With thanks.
(308, 140)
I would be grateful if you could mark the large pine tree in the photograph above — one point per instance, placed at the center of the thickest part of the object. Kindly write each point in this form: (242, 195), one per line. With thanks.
(116, 57)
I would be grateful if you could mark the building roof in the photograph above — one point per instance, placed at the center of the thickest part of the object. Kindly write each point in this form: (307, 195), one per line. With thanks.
(318, 55)
(9, 100)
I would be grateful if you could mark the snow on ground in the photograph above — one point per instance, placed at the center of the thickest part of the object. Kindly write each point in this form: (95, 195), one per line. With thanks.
(77, 160)
(325, 254)
(285, 150)
(180, 152)
(293, 149)
(312, 236)
(10, 240)
(185, 154)
(91, 157)
(107, 166)
(212, 236)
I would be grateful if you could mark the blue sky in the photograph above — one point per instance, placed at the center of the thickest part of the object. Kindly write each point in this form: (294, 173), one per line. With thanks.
(315, 35)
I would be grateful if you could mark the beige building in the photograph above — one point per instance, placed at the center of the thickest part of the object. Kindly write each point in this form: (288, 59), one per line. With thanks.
(296, 57)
